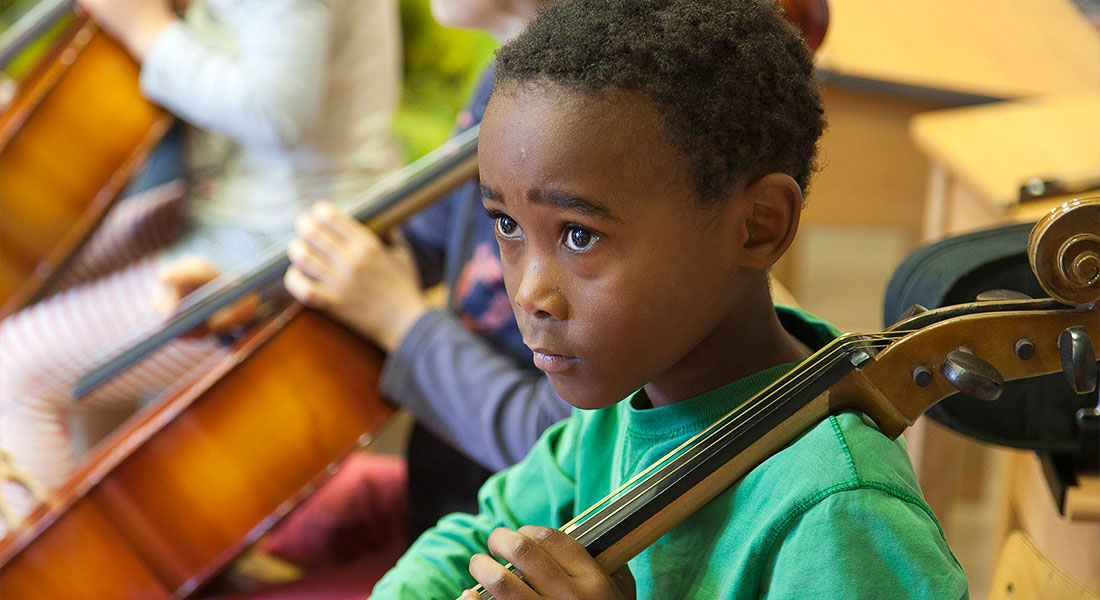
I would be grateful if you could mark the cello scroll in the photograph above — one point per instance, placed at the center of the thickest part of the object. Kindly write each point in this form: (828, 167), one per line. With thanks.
(1064, 251)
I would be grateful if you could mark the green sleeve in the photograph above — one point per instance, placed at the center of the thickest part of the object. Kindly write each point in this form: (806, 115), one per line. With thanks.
(868, 542)
(537, 491)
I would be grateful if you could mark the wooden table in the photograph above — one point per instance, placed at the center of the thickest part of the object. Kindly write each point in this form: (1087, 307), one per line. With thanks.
(980, 157)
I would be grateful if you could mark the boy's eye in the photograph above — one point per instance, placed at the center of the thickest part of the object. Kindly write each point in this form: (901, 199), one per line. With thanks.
(578, 239)
(507, 227)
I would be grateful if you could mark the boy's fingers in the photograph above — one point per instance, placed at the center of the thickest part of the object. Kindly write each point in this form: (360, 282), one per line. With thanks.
(187, 270)
(624, 583)
(165, 297)
(237, 314)
(524, 548)
(566, 551)
(402, 249)
(179, 278)
(304, 289)
(319, 236)
(498, 580)
(307, 259)
(340, 224)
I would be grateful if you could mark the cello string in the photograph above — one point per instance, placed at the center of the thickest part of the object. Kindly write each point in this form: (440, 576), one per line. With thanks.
(813, 360)
(736, 418)
(779, 387)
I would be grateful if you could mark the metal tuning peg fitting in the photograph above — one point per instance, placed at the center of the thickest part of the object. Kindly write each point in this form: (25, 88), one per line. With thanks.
(1078, 359)
(972, 376)
(912, 311)
(1001, 295)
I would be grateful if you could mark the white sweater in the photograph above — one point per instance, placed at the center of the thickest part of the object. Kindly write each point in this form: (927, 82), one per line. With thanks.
(291, 100)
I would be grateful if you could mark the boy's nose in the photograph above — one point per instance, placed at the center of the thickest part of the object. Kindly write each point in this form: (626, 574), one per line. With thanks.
(538, 293)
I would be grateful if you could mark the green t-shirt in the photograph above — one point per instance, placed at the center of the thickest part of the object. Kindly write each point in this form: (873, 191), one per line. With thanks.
(836, 514)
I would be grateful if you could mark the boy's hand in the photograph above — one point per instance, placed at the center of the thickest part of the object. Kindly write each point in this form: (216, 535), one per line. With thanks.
(135, 23)
(188, 273)
(553, 564)
(340, 266)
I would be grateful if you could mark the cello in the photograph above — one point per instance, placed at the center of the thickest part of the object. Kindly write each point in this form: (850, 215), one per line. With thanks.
(83, 94)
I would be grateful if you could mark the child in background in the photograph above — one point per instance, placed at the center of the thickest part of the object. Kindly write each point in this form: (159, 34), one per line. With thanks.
(644, 162)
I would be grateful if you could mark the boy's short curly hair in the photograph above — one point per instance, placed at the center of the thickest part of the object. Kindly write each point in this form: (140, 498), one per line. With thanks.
(732, 78)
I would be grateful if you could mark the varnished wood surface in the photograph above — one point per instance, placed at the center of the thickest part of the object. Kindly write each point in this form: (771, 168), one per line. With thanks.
(1025, 503)
(991, 337)
(994, 48)
(69, 142)
(175, 495)
(993, 149)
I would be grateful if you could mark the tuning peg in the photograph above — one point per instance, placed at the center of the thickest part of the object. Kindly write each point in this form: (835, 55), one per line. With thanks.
(1078, 359)
(1001, 295)
(971, 375)
(912, 311)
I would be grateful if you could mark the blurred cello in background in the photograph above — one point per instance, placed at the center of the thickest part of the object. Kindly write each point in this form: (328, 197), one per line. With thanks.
(74, 134)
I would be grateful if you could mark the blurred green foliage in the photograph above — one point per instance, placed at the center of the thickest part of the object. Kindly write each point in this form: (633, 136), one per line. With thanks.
(10, 11)
(442, 67)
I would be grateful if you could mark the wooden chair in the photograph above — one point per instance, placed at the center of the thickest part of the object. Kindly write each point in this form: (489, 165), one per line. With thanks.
(1024, 573)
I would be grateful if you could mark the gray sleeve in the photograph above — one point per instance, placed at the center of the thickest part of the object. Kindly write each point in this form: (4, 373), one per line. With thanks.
(468, 393)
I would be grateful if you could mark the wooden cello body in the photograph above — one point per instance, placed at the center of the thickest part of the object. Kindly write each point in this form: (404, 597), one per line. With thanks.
(176, 493)
(70, 140)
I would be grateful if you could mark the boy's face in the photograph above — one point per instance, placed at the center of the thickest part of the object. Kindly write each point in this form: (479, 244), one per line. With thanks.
(618, 279)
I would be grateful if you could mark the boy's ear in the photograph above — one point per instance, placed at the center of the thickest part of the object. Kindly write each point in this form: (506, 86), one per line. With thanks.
(772, 205)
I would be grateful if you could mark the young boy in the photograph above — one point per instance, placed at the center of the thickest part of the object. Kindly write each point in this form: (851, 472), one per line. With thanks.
(644, 161)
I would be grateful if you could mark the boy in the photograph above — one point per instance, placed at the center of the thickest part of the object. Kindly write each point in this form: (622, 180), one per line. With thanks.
(644, 161)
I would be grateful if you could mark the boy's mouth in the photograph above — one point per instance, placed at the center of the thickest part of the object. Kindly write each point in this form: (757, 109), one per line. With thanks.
(550, 362)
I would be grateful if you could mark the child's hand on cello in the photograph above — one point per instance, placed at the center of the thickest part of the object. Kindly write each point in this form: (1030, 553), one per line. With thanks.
(553, 565)
(188, 273)
(135, 23)
(342, 267)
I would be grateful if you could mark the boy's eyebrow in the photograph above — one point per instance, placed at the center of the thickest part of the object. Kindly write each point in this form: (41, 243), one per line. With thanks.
(557, 198)
(571, 202)
(488, 193)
